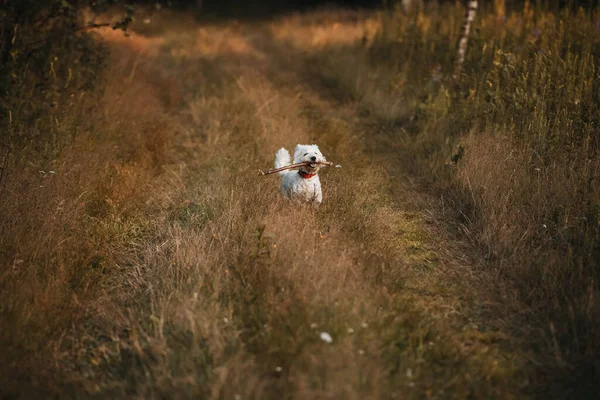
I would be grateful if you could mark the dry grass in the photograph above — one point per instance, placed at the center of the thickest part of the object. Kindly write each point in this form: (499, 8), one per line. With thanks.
(68, 221)
(156, 263)
(521, 127)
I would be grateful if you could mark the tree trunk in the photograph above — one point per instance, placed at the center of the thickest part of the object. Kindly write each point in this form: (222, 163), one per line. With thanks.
(464, 38)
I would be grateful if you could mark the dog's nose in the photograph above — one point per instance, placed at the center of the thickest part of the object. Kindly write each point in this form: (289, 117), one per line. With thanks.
(313, 158)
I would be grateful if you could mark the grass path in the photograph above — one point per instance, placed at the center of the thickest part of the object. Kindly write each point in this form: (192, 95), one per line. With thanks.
(221, 290)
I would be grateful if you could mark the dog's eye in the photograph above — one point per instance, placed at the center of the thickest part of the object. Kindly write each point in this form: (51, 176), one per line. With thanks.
(305, 154)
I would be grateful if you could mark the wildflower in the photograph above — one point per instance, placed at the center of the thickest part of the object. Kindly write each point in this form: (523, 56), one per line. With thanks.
(350, 330)
(361, 352)
(278, 368)
(409, 373)
(226, 320)
(313, 325)
(365, 325)
(326, 337)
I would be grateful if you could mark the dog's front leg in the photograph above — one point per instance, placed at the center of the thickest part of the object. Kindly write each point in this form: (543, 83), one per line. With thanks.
(317, 197)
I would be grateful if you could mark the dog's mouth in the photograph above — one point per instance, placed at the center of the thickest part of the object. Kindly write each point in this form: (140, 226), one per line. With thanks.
(313, 166)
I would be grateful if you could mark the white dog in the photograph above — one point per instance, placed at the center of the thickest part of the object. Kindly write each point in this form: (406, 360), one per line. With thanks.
(303, 184)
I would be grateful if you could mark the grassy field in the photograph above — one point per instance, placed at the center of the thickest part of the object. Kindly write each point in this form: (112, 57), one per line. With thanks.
(512, 147)
(141, 255)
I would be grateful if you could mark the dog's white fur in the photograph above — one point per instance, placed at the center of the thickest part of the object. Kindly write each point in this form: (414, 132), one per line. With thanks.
(293, 185)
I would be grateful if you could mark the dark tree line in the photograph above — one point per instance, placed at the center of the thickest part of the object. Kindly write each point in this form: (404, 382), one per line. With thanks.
(47, 58)
(28, 26)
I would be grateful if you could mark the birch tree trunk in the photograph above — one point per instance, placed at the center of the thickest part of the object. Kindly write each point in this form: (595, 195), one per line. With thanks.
(464, 37)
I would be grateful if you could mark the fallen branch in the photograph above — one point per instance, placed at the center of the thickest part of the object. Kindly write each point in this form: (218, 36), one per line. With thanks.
(295, 166)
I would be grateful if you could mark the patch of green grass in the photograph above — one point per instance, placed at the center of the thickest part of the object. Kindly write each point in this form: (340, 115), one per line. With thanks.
(192, 213)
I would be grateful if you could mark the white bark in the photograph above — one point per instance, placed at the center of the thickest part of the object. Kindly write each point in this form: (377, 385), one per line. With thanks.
(464, 38)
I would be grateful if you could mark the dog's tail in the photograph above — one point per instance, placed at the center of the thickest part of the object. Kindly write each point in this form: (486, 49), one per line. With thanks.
(282, 158)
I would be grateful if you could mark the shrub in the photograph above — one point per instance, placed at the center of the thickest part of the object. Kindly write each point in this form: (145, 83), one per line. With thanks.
(48, 60)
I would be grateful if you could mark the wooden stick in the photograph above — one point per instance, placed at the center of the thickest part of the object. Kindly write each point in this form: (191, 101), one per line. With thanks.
(294, 166)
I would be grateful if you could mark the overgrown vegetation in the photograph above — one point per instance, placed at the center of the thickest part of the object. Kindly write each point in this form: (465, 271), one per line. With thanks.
(140, 257)
(48, 53)
(513, 146)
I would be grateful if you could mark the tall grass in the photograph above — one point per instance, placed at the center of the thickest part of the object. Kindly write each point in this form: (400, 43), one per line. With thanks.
(140, 256)
(513, 148)
(71, 211)
(153, 262)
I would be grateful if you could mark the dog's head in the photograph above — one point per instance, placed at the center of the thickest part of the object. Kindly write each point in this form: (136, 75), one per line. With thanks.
(308, 153)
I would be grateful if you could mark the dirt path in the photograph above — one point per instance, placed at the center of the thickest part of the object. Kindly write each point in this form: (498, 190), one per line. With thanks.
(234, 293)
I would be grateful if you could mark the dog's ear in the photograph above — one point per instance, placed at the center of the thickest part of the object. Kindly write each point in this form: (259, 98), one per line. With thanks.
(299, 149)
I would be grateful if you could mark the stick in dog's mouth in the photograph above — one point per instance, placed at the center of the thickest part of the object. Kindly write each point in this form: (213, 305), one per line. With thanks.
(296, 166)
